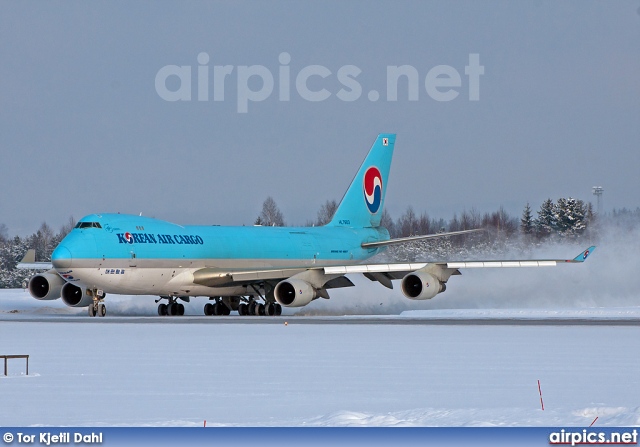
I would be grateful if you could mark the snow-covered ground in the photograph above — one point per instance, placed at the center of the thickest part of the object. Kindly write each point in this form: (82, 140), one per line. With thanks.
(93, 372)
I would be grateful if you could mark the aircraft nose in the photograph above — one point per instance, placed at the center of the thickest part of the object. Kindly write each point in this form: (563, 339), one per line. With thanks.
(61, 257)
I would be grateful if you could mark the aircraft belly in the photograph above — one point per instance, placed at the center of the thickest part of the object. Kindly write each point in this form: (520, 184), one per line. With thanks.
(173, 276)
(149, 281)
(127, 280)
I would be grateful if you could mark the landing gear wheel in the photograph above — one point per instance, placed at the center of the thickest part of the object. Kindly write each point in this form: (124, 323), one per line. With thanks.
(174, 309)
(252, 308)
(92, 310)
(180, 309)
(102, 310)
(260, 310)
(243, 309)
(220, 309)
(278, 309)
(208, 309)
(162, 310)
(270, 309)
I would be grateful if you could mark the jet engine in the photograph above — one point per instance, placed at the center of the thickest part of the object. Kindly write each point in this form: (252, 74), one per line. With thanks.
(46, 286)
(421, 285)
(294, 293)
(74, 296)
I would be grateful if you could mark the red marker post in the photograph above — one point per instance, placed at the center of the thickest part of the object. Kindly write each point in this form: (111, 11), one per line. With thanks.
(540, 392)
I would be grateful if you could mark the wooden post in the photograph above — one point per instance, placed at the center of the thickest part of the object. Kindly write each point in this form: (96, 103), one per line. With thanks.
(6, 360)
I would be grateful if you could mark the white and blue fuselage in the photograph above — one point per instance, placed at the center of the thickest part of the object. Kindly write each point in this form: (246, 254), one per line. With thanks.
(126, 254)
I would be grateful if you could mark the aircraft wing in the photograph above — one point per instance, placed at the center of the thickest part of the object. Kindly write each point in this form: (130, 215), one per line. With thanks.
(413, 266)
(382, 273)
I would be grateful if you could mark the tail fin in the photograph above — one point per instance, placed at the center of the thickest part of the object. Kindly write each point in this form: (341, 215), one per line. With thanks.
(362, 204)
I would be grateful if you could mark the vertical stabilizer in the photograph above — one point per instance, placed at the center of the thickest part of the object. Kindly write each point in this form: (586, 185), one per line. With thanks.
(362, 204)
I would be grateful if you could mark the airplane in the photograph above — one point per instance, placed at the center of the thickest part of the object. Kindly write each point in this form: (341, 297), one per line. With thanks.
(252, 270)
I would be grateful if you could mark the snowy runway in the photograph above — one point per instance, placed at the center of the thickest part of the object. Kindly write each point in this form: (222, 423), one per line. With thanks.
(319, 374)
(430, 318)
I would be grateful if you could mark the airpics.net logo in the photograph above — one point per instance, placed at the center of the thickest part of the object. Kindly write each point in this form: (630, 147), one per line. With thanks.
(256, 83)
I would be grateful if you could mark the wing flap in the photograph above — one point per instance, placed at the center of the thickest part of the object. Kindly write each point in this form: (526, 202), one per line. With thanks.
(499, 264)
(339, 282)
(373, 268)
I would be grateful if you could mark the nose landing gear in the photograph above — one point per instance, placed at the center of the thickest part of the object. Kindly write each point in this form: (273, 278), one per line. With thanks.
(98, 306)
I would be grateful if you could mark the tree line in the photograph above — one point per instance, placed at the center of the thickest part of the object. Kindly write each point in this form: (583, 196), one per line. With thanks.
(566, 218)
(12, 250)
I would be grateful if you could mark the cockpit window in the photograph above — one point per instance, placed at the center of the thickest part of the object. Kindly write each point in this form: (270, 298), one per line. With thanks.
(88, 225)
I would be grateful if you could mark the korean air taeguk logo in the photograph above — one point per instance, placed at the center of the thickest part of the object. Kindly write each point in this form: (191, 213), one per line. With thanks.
(373, 189)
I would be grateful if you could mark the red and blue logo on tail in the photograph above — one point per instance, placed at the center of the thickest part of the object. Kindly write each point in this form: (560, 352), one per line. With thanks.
(368, 186)
(584, 255)
(373, 189)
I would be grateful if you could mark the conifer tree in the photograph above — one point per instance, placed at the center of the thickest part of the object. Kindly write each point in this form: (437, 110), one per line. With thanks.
(545, 224)
(570, 217)
(526, 221)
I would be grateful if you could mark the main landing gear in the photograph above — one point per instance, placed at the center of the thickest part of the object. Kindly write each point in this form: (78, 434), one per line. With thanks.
(244, 306)
(221, 306)
(253, 307)
(172, 308)
(218, 308)
(97, 307)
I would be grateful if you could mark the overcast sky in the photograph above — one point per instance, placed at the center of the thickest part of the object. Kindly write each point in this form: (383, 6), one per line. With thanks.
(84, 129)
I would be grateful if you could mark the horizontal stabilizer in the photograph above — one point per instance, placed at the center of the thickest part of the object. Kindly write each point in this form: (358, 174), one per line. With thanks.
(29, 262)
(403, 240)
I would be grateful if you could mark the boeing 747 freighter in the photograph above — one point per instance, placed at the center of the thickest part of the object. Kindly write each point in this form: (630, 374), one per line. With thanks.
(251, 270)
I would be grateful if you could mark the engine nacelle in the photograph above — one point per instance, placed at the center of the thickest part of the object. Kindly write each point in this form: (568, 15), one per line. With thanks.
(46, 286)
(294, 293)
(74, 296)
(421, 286)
